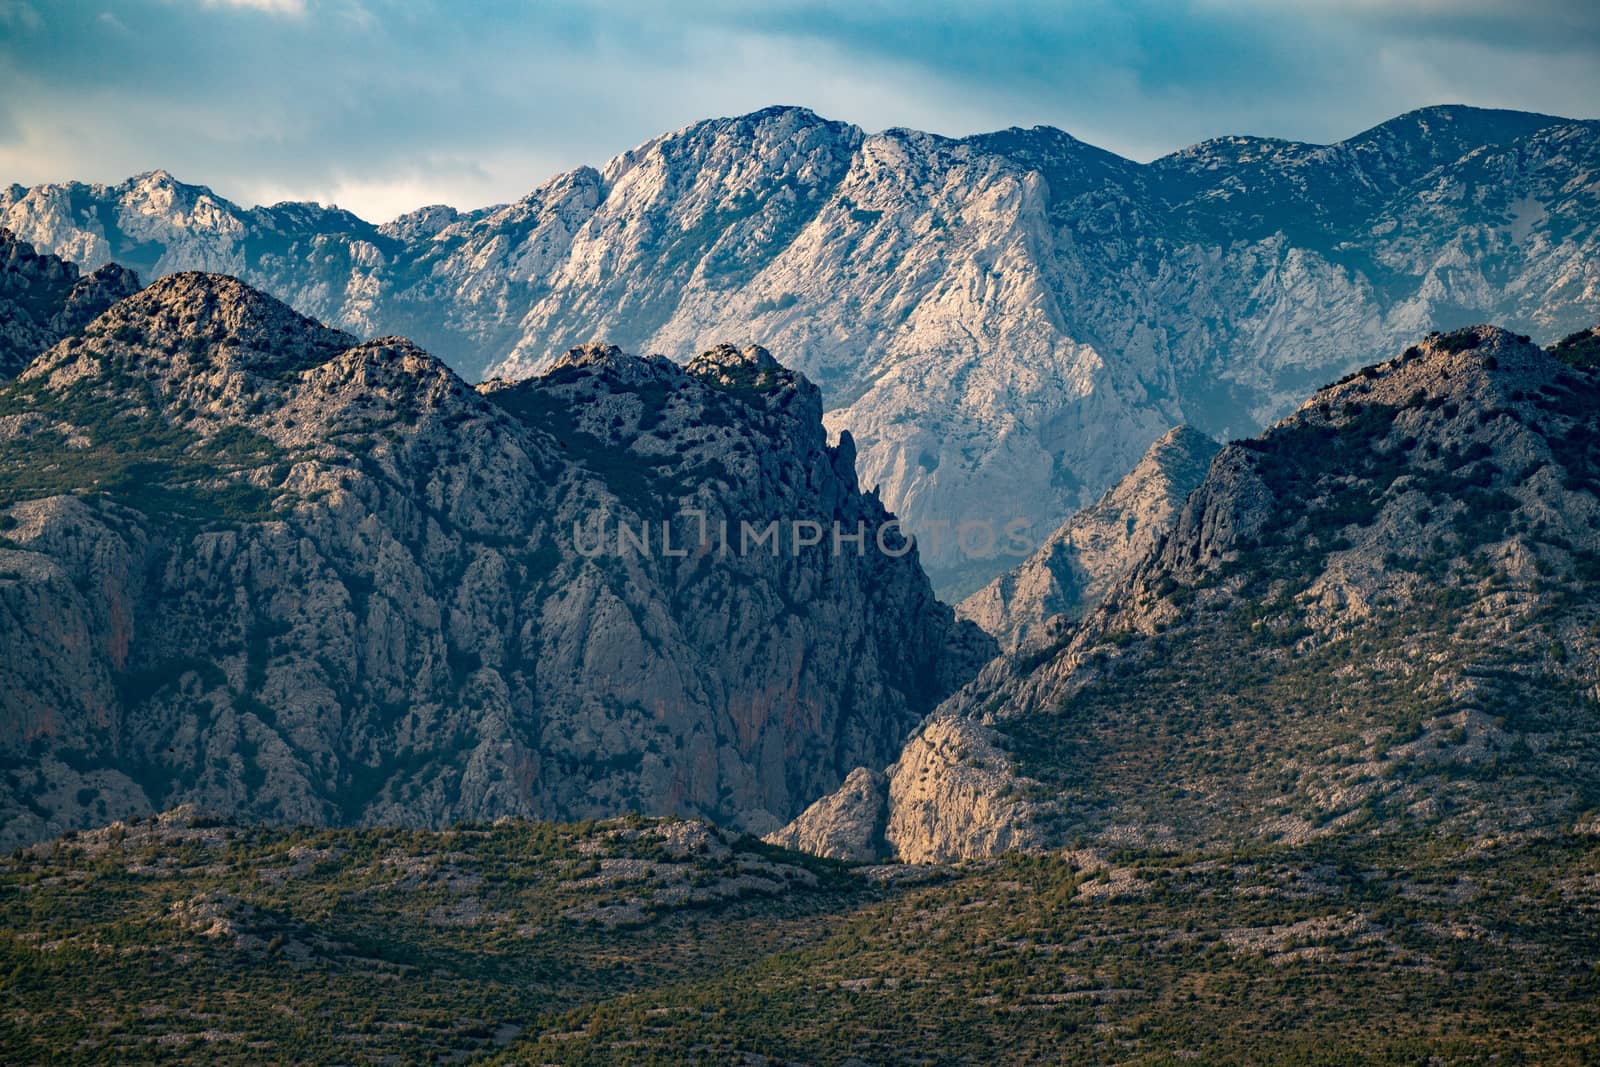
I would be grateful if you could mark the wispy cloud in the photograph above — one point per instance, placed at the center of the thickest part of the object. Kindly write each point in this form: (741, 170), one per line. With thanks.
(294, 8)
(19, 15)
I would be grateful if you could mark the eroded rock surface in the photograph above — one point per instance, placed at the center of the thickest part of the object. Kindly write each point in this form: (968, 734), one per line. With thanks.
(256, 565)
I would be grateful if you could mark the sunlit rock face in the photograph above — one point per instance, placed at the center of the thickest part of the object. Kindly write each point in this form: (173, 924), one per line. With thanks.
(1003, 322)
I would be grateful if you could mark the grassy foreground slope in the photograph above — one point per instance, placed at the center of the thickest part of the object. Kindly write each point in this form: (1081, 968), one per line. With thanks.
(655, 942)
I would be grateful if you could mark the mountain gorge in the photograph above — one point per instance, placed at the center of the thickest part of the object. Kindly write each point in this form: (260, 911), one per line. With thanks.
(1074, 567)
(249, 562)
(394, 668)
(1377, 618)
(996, 319)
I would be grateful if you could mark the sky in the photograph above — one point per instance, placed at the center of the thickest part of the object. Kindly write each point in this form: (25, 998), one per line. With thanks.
(382, 106)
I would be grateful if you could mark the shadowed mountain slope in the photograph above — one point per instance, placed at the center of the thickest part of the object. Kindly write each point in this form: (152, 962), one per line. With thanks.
(251, 563)
(1380, 617)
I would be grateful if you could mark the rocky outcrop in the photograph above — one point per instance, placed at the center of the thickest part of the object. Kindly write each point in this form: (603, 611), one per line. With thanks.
(1003, 322)
(253, 564)
(44, 298)
(1376, 617)
(847, 824)
(952, 795)
(1072, 570)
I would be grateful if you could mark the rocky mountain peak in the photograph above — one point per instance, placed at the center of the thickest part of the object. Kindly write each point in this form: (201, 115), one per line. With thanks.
(160, 187)
(24, 266)
(592, 354)
(1451, 130)
(1441, 405)
(1484, 367)
(710, 156)
(372, 388)
(99, 289)
(1438, 509)
(334, 583)
(728, 365)
(653, 406)
(389, 363)
(780, 122)
(752, 374)
(1178, 452)
(1077, 564)
(207, 352)
(179, 201)
(797, 112)
(203, 301)
(596, 360)
(43, 298)
(422, 224)
(1396, 584)
(199, 309)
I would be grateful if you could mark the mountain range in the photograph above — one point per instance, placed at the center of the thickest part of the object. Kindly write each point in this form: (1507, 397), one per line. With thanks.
(1003, 322)
(251, 563)
(1377, 618)
(604, 710)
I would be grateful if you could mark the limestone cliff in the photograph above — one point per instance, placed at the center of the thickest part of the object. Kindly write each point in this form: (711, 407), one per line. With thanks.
(1379, 617)
(253, 564)
(1003, 322)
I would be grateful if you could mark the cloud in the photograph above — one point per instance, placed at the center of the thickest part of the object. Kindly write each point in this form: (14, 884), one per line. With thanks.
(385, 104)
(19, 15)
(294, 8)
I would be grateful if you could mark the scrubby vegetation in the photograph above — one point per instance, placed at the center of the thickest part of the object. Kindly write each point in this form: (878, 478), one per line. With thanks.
(639, 942)
(1401, 642)
(1581, 349)
(107, 437)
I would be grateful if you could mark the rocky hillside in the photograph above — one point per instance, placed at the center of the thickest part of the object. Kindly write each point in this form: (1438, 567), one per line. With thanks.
(1380, 616)
(1072, 570)
(251, 563)
(44, 298)
(186, 940)
(1008, 317)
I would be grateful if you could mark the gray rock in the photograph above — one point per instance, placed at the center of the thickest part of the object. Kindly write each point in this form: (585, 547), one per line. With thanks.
(1002, 322)
(1377, 617)
(43, 298)
(254, 565)
(847, 824)
(1076, 565)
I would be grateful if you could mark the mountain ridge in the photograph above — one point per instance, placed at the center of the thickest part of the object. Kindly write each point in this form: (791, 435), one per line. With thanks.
(43, 298)
(1396, 583)
(1007, 317)
(253, 563)
(1069, 573)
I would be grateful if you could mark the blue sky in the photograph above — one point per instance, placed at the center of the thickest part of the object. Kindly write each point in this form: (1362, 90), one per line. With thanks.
(384, 105)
